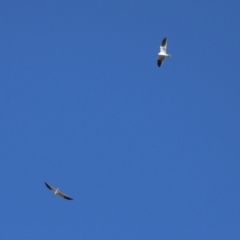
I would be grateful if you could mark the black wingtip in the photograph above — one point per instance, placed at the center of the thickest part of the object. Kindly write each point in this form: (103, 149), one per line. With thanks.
(159, 63)
(68, 198)
(164, 41)
(48, 186)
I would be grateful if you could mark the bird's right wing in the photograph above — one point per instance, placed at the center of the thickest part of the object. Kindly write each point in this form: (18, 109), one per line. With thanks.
(50, 188)
(160, 61)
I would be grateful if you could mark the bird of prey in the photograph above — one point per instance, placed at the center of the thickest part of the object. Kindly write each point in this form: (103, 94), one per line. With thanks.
(57, 192)
(162, 54)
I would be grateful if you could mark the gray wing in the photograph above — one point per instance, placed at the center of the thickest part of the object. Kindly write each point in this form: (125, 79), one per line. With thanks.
(50, 188)
(64, 196)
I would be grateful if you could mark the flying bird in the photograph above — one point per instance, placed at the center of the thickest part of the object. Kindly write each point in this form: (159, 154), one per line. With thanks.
(57, 192)
(162, 54)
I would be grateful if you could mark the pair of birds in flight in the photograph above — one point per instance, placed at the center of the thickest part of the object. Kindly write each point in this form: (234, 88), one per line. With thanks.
(161, 55)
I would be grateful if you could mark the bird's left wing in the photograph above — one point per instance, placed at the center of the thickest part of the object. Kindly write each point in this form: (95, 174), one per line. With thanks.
(163, 46)
(64, 196)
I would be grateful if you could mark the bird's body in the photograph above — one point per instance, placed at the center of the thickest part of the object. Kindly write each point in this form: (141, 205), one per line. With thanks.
(163, 52)
(57, 192)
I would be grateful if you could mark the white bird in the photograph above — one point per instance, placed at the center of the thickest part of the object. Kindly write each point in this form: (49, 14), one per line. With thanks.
(57, 192)
(162, 54)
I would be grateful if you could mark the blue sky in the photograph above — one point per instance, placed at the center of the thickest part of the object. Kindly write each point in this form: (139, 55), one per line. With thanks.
(146, 152)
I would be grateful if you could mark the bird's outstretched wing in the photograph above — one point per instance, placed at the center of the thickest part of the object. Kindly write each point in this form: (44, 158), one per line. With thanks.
(163, 46)
(160, 61)
(50, 188)
(64, 196)
(164, 42)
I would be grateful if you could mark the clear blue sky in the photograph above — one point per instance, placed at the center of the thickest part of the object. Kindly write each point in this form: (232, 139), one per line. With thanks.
(147, 153)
